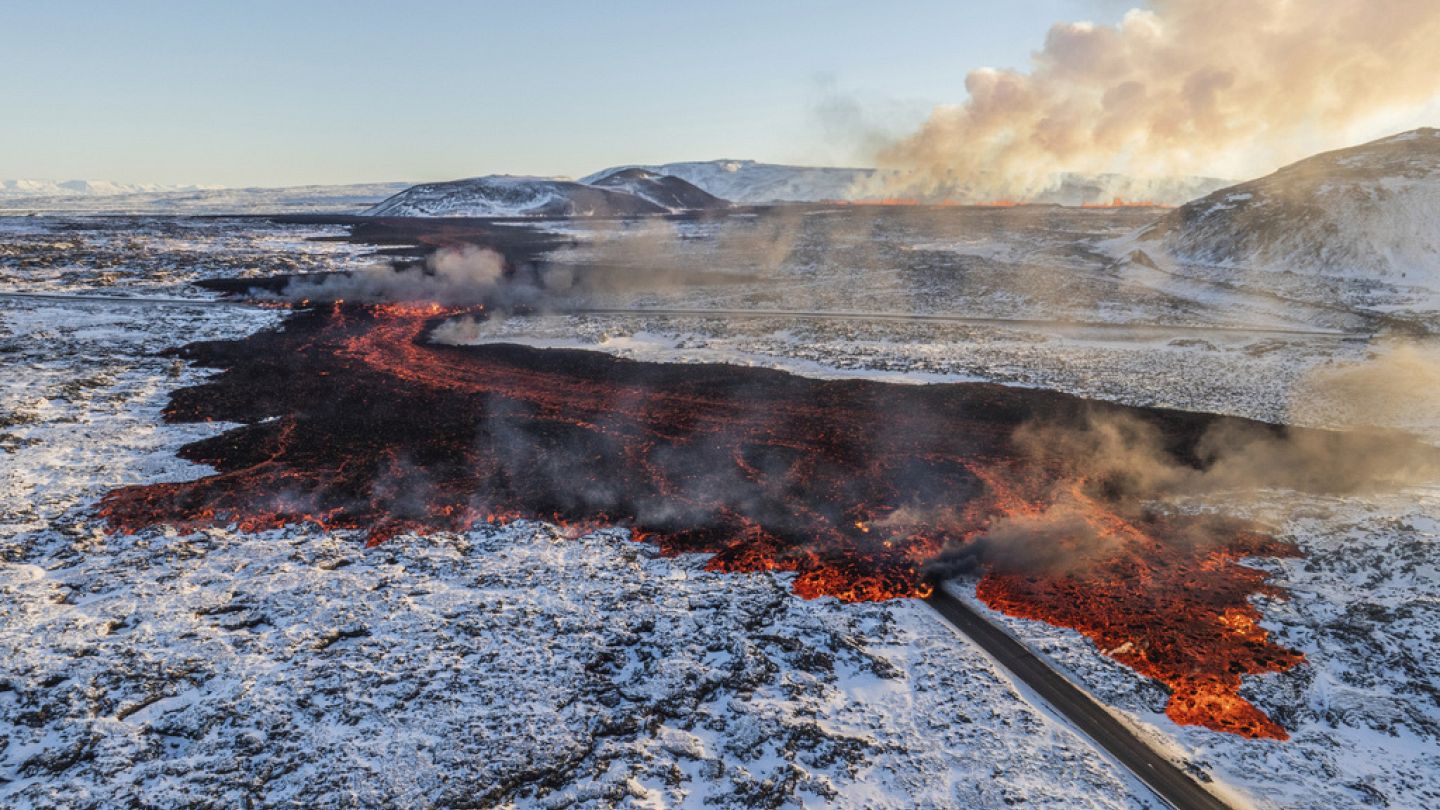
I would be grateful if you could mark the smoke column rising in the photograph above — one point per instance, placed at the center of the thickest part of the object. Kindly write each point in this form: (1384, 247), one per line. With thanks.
(452, 276)
(1228, 88)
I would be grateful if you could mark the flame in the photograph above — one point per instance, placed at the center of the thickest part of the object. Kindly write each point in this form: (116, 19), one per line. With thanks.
(350, 420)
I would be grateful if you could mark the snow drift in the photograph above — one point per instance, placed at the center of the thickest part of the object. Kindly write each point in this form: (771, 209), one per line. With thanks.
(1368, 213)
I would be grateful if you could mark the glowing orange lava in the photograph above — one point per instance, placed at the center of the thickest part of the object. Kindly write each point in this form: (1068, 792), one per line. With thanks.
(1177, 612)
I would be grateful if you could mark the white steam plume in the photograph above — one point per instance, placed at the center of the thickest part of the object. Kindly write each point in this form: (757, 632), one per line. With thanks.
(1229, 88)
(451, 276)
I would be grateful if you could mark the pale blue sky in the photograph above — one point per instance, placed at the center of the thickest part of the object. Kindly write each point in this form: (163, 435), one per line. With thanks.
(281, 93)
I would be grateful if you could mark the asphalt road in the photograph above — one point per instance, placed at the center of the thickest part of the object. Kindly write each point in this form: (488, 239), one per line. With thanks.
(1171, 784)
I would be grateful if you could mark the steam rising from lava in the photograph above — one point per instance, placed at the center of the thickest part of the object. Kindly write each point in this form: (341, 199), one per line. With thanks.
(464, 275)
(1130, 457)
(1182, 87)
(1127, 462)
(1395, 387)
(630, 259)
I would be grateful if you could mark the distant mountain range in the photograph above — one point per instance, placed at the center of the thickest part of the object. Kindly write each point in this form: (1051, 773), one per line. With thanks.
(122, 199)
(741, 181)
(1364, 212)
(704, 185)
(83, 188)
(746, 181)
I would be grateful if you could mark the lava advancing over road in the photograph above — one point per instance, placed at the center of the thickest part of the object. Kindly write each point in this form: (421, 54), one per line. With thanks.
(351, 420)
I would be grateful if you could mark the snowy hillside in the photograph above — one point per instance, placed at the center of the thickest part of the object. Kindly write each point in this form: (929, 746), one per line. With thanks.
(81, 188)
(625, 194)
(666, 191)
(1367, 213)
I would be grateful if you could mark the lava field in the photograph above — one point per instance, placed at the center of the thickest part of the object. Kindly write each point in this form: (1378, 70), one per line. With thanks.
(349, 419)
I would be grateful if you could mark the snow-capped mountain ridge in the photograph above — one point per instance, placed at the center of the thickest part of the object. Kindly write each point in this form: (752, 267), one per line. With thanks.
(748, 181)
(30, 187)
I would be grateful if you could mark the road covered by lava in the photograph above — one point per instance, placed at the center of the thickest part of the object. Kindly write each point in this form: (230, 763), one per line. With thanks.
(349, 418)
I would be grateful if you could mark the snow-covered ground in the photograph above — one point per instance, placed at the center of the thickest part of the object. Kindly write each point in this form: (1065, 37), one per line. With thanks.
(158, 255)
(519, 667)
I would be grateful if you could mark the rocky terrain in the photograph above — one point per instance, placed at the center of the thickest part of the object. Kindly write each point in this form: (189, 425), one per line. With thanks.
(748, 181)
(27, 187)
(158, 255)
(509, 667)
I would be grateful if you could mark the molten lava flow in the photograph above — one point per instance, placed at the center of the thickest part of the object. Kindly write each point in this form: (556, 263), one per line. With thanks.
(350, 420)
(1176, 612)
